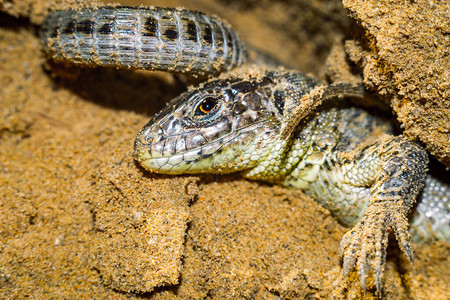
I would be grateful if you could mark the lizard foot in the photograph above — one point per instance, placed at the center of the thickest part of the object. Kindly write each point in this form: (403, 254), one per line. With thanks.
(364, 246)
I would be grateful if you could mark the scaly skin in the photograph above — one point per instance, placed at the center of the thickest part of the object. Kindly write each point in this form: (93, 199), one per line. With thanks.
(343, 157)
(168, 39)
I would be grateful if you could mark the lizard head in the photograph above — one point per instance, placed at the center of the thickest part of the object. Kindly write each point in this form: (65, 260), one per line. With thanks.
(221, 126)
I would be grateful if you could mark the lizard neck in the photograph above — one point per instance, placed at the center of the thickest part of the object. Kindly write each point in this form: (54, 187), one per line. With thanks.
(278, 161)
(310, 161)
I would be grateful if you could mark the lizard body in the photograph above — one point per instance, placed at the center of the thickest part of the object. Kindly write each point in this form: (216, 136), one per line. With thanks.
(345, 158)
(270, 125)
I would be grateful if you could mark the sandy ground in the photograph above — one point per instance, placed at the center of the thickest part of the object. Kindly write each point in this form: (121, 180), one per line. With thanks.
(80, 219)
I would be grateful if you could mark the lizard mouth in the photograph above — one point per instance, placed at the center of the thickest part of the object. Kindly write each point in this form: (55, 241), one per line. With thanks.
(194, 160)
(172, 154)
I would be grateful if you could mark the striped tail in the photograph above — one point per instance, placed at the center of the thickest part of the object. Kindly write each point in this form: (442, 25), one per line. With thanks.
(165, 39)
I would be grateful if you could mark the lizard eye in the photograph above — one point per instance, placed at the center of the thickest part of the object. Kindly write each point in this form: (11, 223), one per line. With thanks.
(206, 106)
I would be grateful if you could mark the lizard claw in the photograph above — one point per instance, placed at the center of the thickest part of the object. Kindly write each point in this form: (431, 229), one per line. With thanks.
(363, 276)
(364, 246)
(348, 252)
(348, 265)
(409, 253)
(378, 280)
(400, 225)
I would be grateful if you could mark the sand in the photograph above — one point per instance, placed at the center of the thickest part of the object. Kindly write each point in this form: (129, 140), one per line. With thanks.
(80, 219)
(405, 57)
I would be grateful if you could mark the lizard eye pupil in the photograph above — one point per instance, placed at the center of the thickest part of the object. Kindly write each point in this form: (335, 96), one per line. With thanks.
(206, 106)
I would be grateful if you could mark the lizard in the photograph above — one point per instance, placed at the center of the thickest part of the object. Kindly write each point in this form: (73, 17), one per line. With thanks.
(268, 124)
(343, 157)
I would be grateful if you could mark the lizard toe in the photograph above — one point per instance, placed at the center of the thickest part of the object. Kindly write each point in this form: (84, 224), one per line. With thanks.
(364, 247)
(349, 248)
(400, 225)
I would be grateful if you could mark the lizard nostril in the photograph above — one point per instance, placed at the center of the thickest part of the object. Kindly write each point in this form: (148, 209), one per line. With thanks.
(144, 137)
(141, 140)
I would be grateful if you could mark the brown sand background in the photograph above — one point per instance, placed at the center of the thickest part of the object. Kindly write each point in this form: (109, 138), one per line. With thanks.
(80, 219)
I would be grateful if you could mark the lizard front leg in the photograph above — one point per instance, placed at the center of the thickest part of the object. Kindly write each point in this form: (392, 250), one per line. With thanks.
(400, 175)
